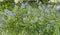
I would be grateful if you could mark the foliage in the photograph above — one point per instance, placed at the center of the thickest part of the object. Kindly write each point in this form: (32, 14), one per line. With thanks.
(24, 19)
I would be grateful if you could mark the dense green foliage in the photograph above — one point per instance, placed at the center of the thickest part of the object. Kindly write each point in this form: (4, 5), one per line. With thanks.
(26, 19)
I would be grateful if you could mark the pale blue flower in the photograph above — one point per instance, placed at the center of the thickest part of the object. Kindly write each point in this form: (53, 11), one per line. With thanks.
(31, 27)
(26, 3)
(55, 26)
(55, 11)
(9, 12)
(25, 33)
(58, 8)
(34, 14)
(15, 7)
(54, 8)
(40, 3)
(48, 12)
(40, 23)
(24, 15)
(49, 6)
(1, 19)
(48, 27)
(29, 12)
(42, 15)
(39, 7)
(6, 10)
(32, 21)
(23, 5)
(24, 20)
(40, 31)
(52, 21)
(44, 6)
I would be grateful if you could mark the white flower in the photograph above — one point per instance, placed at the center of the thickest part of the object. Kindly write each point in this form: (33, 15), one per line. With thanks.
(16, 1)
(58, 7)
(58, 0)
(1, 0)
(55, 1)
